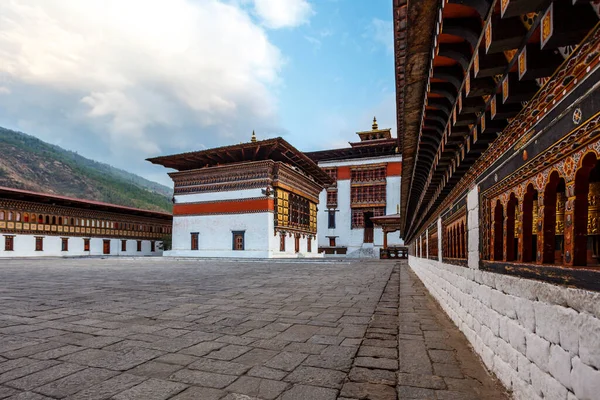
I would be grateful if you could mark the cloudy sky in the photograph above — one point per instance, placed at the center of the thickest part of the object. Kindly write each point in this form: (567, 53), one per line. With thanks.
(122, 80)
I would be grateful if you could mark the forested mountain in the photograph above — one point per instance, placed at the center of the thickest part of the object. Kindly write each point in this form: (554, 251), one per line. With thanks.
(31, 164)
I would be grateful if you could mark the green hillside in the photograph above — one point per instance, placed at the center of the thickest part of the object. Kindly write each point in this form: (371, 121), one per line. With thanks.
(31, 164)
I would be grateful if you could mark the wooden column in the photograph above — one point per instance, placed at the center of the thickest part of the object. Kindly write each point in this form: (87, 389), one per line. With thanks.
(520, 230)
(569, 229)
(493, 233)
(540, 229)
(385, 232)
(505, 237)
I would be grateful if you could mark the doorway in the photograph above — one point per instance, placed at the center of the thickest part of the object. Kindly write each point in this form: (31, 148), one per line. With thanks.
(106, 247)
(368, 227)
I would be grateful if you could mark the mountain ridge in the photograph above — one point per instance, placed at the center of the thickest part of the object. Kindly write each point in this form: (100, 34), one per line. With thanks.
(31, 164)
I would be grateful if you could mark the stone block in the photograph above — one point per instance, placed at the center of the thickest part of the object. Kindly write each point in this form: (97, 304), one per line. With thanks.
(516, 336)
(538, 351)
(202, 378)
(108, 388)
(303, 392)
(589, 340)
(549, 387)
(523, 368)
(317, 377)
(504, 304)
(585, 380)
(286, 361)
(569, 329)
(151, 389)
(559, 366)
(257, 387)
(546, 321)
(526, 314)
(368, 391)
(379, 376)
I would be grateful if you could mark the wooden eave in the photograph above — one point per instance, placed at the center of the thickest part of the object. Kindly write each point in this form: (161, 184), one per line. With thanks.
(371, 148)
(276, 149)
(414, 24)
(64, 201)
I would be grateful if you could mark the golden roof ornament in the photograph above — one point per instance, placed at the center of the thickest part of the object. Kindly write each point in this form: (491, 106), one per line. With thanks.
(375, 126)
(253, 140)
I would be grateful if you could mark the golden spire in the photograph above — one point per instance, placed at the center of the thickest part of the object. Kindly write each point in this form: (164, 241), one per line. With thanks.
(375, 127)
(253, 140)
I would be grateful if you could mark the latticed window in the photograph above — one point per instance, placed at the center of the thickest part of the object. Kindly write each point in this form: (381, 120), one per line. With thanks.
(332, 172)
(294, 211)
(332, 198)
(39, 243)
(358, 215)
(368, 194)
(9, 242)
(371, 174)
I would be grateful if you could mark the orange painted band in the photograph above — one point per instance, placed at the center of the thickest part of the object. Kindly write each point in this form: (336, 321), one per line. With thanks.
(394, 169)
(226, 207)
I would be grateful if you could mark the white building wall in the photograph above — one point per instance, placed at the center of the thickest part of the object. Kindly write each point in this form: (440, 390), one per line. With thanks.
(541, 340)
(24, 246)
(353, 238)
(215, 232)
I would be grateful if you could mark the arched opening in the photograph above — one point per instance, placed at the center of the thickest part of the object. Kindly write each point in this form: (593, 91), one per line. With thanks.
(53, 220)
(463, 252)
(512, 238)
(529, 226)
(587, 180)
(554, 216)
(498, 230)
(41, 219)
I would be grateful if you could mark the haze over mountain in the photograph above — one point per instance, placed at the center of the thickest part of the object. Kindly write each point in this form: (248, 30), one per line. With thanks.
(31, 164)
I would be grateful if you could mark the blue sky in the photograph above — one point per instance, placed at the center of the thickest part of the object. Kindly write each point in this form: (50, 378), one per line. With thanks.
(122, 80)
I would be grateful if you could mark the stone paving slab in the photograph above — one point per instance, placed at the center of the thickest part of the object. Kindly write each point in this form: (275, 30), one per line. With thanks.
(155, 328)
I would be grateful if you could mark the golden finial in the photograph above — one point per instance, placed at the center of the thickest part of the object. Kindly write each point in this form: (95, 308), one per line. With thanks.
(253, 140)
(375, 127)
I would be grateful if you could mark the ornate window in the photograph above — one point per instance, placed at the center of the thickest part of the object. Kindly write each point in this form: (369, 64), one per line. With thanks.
(1, 215)
(331, 219)
(9, 242)
(39, 243)
(294, 211)
(358, 215)
(332, 198)
(238, 240)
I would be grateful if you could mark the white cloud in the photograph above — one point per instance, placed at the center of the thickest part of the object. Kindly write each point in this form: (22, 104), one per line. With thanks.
(4, 90)
(142, 77)
(382, 32)
(277, 14)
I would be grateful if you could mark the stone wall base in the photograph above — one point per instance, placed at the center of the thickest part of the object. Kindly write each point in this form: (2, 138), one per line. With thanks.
(541, 340)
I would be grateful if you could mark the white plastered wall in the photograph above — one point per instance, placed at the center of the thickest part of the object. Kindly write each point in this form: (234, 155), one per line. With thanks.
(24, 246)
(215, 232)
(346, 236)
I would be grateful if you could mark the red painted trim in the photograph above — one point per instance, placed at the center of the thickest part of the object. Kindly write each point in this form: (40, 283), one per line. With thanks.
(394, 169)
(225, 207)
(343, 173)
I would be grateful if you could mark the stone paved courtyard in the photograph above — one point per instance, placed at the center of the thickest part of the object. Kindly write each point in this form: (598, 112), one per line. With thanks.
(164, 329)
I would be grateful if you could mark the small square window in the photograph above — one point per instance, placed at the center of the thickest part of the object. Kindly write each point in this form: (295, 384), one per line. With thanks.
(238, 240)
(9, 242)
(39, 243)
